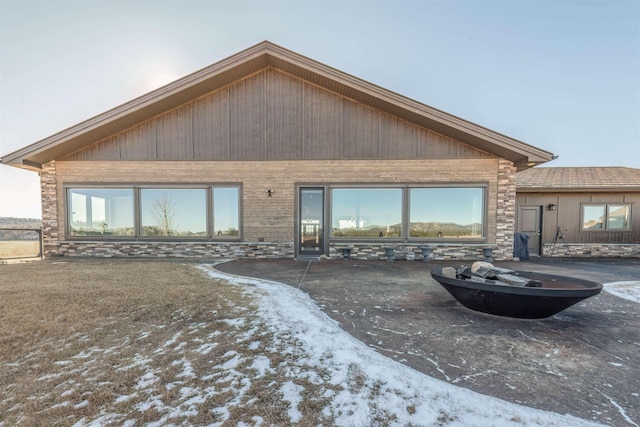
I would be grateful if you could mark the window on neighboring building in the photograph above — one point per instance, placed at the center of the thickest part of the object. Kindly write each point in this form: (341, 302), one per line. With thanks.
(153, 212)
(100, 212)
(611, 217)
(411, 212)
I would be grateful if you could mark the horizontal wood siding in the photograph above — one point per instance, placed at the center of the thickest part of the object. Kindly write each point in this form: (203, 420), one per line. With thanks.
(568, 216)
(272, 218)
(272, 115)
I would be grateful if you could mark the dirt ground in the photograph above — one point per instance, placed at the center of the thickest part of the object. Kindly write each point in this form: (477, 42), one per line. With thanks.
(582, 361)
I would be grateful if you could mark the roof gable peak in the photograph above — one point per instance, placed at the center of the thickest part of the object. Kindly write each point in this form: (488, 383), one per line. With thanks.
(247, 62)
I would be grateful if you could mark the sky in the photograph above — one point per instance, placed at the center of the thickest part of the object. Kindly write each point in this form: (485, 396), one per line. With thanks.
(560, 75)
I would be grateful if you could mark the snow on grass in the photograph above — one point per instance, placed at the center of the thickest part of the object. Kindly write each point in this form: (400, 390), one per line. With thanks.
(374, 387)
(232, 351)
(626, 290)
(291, 393)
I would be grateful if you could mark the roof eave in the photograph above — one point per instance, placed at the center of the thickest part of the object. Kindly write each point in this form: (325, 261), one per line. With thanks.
(252, 60)
(591, 189)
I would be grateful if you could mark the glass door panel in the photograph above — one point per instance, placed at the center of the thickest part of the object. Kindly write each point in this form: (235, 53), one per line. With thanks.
(311, 221)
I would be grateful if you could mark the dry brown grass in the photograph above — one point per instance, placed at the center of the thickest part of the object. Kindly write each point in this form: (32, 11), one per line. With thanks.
(128, 343)
(19, 248)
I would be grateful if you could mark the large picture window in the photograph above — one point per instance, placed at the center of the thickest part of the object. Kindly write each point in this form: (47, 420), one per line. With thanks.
(446, 212)
(408, 212)
(155, 212)
(173, 212)
(101, 212)
(606, 217)
(366, 212)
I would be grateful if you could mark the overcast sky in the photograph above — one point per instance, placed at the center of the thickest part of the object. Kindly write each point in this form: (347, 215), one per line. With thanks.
(560, 75)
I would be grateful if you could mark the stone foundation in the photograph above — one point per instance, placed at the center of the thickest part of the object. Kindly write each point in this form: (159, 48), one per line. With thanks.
(104, 249)
(592, 250)
(439, 252)
(359, 251)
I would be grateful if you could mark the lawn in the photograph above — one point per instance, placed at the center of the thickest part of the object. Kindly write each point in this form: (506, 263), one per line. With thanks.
(108, 342)
(19, 248)
(149, 342)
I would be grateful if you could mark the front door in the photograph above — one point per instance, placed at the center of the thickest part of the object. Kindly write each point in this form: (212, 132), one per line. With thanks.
(529, 222)
(311, 221)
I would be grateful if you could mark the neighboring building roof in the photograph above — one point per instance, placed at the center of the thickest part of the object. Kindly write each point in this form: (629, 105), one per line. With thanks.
(245, 63)
(579, 179)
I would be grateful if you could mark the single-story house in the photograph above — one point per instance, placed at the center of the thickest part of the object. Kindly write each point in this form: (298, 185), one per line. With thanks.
(268, 153)
(580, 211)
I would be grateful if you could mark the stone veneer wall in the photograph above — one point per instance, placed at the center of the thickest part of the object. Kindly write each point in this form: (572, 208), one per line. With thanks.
(49, 200)
(102, 249)
(360, 251)
(506, 210)
(591, 250)
(439, 252)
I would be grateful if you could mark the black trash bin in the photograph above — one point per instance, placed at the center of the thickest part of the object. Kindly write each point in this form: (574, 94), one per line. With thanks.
(521, 245)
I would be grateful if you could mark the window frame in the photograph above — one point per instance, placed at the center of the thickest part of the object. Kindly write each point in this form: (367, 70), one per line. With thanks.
(68, 212)
(137, 212)
(450, 239)
(403, 196)
(405, 211)
(606, 228)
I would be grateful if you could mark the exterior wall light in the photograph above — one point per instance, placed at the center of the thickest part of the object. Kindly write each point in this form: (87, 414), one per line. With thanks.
(270, 192)
(552, 206)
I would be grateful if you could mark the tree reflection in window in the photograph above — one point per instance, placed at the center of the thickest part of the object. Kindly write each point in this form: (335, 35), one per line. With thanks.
(174, 212)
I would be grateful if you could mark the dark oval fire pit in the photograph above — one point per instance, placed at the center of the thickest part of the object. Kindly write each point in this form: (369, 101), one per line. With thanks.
(556, 294)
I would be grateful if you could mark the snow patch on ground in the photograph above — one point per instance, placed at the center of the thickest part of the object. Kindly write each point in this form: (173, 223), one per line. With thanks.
(626, 290)
(374, 386)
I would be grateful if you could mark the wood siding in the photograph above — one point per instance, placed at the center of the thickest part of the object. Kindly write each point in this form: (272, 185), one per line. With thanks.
(568, 216)
(272, 115)
(273, 218)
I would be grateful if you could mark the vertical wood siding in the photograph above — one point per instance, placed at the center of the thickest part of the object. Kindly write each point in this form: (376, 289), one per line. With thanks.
(211, 135)
(568, 216)
(174, 137)
(272, 115)
(284, 117)
(139, 143)
(247, 119)
(322, 128)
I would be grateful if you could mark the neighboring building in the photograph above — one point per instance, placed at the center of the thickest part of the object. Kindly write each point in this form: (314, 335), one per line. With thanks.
(270, 154)
(580, 212)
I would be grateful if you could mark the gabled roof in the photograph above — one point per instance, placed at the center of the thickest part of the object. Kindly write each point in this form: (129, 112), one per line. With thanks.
(252, 60)
(580, 179)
